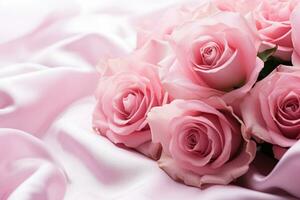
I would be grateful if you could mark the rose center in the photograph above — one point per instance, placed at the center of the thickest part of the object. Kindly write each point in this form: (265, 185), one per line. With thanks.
(192, 140)
(291, 107)
(208, 54)
(129, 102)
(197, 142)
(288, 114)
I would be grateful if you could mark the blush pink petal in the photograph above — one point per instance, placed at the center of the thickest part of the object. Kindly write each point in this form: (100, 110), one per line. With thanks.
(225, 174)
(241, 6)
(273, 32)
(285, 47)
(153, 51)
(179, 84)
(296, 58)
(165, 21)
(183, 160)
(295, 23)
(236, 20)
(234, 96)
(212, 134)
(161, 24)
(155, 117)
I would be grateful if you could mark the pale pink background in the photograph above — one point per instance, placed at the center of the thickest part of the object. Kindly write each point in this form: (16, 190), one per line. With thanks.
(48, 53)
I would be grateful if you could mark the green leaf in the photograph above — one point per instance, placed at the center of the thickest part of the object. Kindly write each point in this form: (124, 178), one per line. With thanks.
(270, 64)
(266, 54)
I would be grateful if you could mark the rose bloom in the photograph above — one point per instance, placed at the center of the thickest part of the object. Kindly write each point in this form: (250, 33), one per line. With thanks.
(161, 24)
(271, 111)
(202, 143)
(272, 19)
(215, 56)
(241, 6)
(126, 92)
(295, 21)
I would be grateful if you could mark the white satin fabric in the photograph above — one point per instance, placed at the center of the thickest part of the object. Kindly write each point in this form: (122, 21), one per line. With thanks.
(48, 151)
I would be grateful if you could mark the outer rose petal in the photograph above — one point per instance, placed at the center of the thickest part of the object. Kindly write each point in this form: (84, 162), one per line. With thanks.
(139, 141)
(241, 6)
(181, 85)
(278, 152)
(160, 119)
(153, 51)
(295, 58)
(295, 22)
(235, 95)
(225, 175)
(236, 20)
(160, 24)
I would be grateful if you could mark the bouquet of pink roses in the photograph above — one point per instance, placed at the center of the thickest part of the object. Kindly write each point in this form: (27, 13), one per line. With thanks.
(209, 84)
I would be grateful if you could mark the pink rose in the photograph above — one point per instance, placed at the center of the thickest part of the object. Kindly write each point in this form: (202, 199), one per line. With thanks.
(295, 23)
(271, 111)
(241, 6)
(215, 56)
(125, 94)
(202, 143)
(272, 19)
(161, 24)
